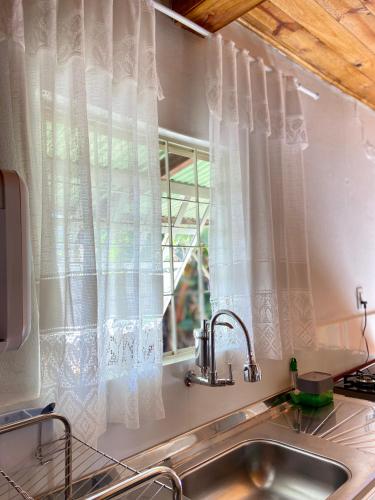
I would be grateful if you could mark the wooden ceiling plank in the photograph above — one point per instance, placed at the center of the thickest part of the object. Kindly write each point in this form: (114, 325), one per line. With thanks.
(280, 30)
(369, 4)
(213, 14)
(356, 18)
(313, 69)
(185, 6)
(310, 49)
(323, 26)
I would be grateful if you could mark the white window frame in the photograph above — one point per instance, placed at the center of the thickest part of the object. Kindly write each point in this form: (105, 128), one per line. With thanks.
(197, 148)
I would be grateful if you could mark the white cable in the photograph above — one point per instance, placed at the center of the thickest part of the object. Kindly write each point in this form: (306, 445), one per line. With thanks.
(311, 93)
(181, 19)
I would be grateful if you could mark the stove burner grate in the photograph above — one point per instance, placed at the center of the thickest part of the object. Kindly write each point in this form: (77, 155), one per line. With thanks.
(360, 379)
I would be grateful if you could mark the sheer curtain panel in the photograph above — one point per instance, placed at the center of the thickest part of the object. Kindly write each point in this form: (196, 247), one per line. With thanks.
(78, 93)
(258, 242)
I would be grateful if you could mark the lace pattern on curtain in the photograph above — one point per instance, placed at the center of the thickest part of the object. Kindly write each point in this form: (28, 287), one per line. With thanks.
(69, 29)
(295, 127)
(228, 256)
(86, 138)
(257, 133)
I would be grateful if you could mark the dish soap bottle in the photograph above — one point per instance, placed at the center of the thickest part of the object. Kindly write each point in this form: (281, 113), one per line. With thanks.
(293, 373)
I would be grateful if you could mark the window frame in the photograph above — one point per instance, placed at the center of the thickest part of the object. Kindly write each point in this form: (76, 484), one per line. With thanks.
(177, 355)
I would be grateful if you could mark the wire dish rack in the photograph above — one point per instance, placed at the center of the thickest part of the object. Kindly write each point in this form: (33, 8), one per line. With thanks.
(66, 468)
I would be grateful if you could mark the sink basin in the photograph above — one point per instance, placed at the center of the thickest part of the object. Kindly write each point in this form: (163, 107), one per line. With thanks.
(263, 469)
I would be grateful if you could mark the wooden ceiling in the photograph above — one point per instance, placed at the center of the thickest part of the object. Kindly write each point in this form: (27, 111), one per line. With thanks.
(333, 38)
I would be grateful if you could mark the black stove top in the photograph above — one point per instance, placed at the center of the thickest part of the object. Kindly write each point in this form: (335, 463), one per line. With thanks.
(358, 384)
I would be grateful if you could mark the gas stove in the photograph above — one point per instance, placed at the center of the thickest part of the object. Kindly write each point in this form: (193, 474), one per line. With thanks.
(358, 383)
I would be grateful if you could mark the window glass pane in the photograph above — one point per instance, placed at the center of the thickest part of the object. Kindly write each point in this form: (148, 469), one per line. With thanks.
(181, 255)
(165, 212)
(167, 325)
(182, 173)
(167, 267)
(203, 168)
(187, 304)
(183, 212)
(207, 305)
(185, 225)
(184, 236)
(204, 218)
(205, 269)
(187, 318)
(163, 170)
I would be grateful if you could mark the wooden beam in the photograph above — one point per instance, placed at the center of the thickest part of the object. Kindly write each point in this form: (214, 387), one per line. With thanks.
(213, 14)
(287, 35)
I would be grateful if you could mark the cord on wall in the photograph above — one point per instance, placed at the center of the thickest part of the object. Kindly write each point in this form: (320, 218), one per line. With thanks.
(363, 304)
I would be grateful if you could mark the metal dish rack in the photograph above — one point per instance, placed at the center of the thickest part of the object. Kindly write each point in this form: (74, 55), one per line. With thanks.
(66, 468)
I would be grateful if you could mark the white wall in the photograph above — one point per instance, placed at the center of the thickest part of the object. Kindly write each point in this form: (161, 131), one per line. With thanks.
(340, 187)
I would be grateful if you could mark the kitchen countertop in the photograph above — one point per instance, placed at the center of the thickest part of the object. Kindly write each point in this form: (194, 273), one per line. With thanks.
(347, 421)
(343, 431)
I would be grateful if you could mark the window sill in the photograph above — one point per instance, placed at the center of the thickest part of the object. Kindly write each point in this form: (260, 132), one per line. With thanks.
(171, 358)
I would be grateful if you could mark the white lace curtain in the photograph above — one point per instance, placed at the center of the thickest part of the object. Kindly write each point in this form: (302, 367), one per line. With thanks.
(78, 94)
(258, 243)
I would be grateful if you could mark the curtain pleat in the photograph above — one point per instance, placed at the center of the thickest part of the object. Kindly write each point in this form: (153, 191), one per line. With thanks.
(229, 259)
(85, 81)
(258, 241)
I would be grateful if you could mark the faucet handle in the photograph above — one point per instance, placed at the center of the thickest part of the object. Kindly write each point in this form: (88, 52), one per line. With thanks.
(205, 326)
(230, 380)
(252, 372)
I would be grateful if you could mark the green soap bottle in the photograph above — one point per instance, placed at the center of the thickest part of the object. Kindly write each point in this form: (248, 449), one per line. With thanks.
(293, 373)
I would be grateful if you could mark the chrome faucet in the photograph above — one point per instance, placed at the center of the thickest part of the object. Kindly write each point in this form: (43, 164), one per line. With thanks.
(205, 354)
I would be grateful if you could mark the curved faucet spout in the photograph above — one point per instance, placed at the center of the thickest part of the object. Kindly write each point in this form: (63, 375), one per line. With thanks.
(252, 372)
(206, 356)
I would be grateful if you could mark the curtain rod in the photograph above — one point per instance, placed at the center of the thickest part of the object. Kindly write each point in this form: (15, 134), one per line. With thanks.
(201, 31)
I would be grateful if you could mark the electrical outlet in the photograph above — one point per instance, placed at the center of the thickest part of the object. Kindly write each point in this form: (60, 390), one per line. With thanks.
(359, 296)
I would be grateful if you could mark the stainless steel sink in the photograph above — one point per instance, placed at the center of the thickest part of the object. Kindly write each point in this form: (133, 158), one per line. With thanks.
(263, 469)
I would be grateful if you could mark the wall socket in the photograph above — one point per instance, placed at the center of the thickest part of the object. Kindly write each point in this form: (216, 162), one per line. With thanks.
(359, 296)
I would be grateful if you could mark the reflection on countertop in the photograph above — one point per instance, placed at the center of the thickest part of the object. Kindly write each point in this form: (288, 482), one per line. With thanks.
(341, 432)
(346, 421)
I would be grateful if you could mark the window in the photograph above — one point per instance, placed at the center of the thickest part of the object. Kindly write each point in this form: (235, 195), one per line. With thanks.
(185, 175)
(185, 191)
